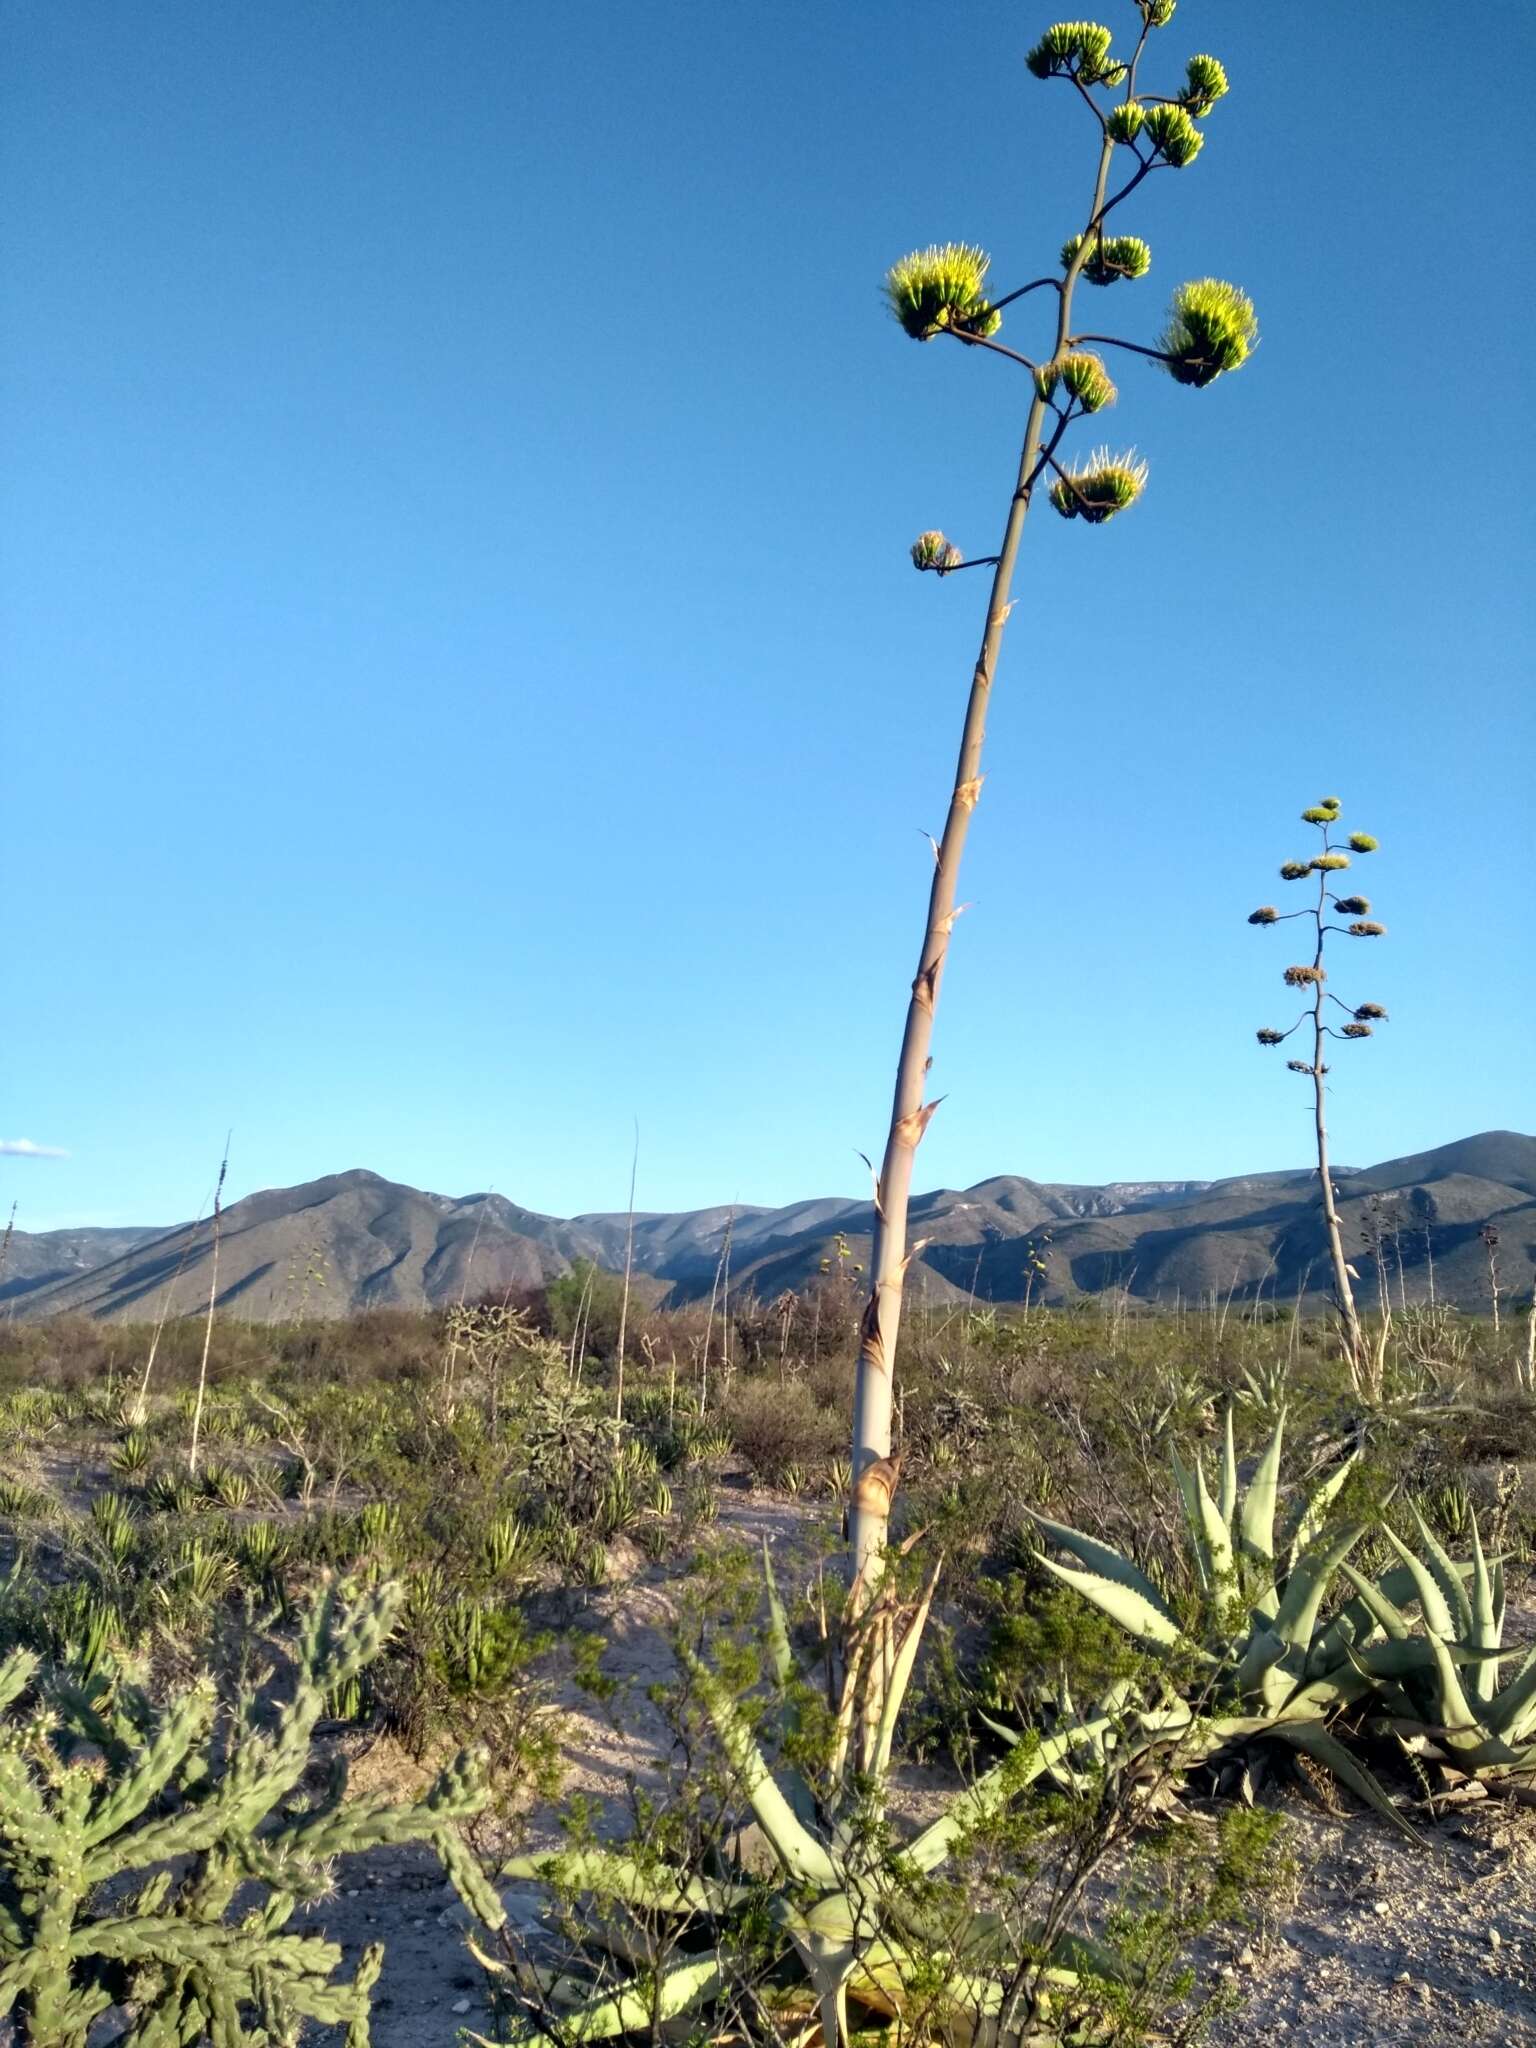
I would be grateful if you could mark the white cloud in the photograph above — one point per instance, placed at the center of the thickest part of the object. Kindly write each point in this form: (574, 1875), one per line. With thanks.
(23, 1148)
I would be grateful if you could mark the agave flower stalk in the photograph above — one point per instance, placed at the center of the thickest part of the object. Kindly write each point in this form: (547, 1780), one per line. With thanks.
(1327, 866)
(942, 292)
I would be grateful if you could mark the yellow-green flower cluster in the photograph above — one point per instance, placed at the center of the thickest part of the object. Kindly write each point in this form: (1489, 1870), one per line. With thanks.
(1083, 376)
(1076, 49)
(1206, 84)
(1110, 258)
(942, 288)
(1211, 328)
(933, 551)
(1100, 486)
(1173, 134)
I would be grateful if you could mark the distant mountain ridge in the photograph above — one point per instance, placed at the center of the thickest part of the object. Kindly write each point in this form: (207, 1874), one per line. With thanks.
(355, 1240)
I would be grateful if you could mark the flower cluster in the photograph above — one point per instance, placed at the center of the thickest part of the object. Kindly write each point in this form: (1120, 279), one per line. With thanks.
(1211, 328)
(1100, 486)
(940, 289)
(933, 551)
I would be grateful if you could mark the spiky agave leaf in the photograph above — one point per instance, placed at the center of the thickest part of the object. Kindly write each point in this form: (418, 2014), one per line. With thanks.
(942, 287)
(801, 1854)
(1109, 258)
(1212, 328)
(1099, 486)
(1103, 1560)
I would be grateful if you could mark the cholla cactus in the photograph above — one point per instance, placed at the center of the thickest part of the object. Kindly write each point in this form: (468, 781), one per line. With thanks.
(1361, 1019)
(944, 290)
(99, 1786)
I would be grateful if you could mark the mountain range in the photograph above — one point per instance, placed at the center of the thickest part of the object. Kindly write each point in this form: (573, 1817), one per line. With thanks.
(355, 1240)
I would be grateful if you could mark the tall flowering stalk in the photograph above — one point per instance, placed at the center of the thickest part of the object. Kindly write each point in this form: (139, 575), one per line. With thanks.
(1360, 1022)
(942, 293)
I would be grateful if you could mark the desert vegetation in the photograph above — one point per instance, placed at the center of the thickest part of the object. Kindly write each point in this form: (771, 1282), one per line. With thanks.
(990, 1729)
(1180, 1555)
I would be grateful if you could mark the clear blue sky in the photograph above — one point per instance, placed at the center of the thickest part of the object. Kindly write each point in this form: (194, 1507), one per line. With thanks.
(465, 686)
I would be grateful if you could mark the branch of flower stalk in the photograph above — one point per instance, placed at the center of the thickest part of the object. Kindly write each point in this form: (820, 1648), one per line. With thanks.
(1158, 355)
(1038, 284)
(978, 562)
(1048, 453)
(981, 341)
(1087, 100)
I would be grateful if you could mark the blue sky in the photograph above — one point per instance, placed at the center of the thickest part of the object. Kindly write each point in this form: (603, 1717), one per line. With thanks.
(465, 686)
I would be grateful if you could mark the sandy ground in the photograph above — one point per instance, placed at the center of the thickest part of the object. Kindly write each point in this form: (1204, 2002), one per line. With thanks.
(1386, 1944)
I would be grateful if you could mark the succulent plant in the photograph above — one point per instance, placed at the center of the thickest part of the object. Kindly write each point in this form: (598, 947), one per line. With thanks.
(840, 1904)
(97, 1783)
(1440, 1689)
(1260, 1661)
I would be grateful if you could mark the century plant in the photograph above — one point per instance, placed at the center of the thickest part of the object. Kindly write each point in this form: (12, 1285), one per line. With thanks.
(1442, 1696)
(132, 1834)
(1347, 916)
(1257, 1659)
(944, 292)
(843, 1905)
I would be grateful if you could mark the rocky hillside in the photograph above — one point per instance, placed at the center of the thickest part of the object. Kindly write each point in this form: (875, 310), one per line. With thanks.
(355, 1240)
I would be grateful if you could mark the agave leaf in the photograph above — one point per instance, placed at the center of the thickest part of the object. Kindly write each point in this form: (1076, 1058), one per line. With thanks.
(1513, 1711)
(1432, 1602)
(1327, 1750)
(1498, 1598)
(785, 1670)
(1485, 1628)
(901, 1677)
(1218, 1537)
(1304, 1590)
(1256, 1529)
(1447, 1578)
(1183, 1479)
(1227, 1500)
(1149, 1623)
(1415, 1656)
(631, 2010)
(1100, 1558)
(792, 1842)
(1378, 1606)
(1312, 1512)
(992, 1791)
(1264, 1649)
(612, 1876)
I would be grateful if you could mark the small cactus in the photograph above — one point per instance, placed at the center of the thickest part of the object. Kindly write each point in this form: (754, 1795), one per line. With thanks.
(98, 1783)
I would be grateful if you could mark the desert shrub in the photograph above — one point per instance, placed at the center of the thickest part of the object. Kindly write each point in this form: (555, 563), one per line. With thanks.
(775, 1426)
